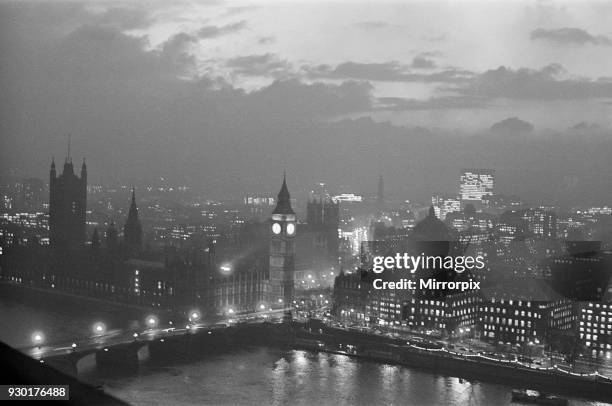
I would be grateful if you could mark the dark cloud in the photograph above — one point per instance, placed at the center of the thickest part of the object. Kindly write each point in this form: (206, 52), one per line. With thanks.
(293, 98)
(260, 65)
(586, 126)
(99, 52)
(175, 51)
(512, 126)
(543, 84)
(266, 40)
(132, 114)
(214, 31)
(392, 71)
(570, 36)
(421, 62)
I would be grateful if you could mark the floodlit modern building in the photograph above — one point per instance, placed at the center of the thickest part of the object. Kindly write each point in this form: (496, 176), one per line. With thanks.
(475, 184)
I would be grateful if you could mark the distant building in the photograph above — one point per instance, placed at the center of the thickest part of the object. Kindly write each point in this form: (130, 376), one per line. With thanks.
(444, 205)
(447, 313)
(595, 328)
(132, 231)
(470, 219)
(31, 195)
(347, 197)
(317, 245)
(476, 184)
(67, 206)
(523, 311)
(541, 222)
(282, 249)
(583, 274)
(238, 272)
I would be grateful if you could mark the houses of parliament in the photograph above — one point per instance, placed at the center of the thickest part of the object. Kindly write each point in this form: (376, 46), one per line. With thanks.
(217, 276)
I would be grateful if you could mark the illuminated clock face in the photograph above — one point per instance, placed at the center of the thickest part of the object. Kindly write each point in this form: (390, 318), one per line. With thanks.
(290, 228)
(276, 228)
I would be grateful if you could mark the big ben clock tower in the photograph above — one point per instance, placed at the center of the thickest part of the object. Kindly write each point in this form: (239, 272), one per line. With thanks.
(282, 250)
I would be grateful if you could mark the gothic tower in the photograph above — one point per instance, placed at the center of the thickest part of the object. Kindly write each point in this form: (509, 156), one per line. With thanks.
(67, 206)
(282, 250)
(132, 230)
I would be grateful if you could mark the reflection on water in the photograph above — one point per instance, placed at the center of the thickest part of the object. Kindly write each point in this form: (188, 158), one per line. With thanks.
(269, 376)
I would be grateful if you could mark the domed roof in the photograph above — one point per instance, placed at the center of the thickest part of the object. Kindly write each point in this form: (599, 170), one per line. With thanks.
(431, 229)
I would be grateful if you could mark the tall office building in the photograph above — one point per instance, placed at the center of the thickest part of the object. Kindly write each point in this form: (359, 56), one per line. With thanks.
(476, 183)
(444, 205)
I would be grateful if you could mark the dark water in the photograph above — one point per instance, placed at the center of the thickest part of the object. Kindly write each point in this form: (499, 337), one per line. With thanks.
(253, 376)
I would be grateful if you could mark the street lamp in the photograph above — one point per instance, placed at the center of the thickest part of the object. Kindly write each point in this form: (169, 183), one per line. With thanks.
(226, 268)
(38, 338)
(194, 316)
(99, 328)
(230, 311)
(152, 321)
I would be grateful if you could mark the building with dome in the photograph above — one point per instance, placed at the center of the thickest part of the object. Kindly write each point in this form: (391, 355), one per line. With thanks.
(444, 313)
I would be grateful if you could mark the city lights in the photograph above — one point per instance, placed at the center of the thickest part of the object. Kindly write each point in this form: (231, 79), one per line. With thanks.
(99, 328)
(235, 160)
(194, 316)
(152, 321)
(38, 338)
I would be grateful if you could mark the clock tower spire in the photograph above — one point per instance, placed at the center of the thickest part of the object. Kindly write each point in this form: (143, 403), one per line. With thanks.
(282, 250)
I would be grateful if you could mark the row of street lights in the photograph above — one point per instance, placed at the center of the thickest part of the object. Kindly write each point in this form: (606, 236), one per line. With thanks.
(151, 321)
(99, 328)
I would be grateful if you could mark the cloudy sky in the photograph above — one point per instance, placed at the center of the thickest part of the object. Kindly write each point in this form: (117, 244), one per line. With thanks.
(228, 93)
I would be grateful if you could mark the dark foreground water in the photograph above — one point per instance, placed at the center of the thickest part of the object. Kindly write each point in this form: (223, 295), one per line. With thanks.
(251, 376)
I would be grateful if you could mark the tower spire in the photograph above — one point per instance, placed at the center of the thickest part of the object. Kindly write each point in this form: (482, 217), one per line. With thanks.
(133, 228)
(283, 204)
(68, 158)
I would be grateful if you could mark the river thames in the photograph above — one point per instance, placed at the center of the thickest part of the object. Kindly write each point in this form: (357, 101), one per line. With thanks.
(247, 376)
